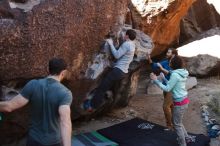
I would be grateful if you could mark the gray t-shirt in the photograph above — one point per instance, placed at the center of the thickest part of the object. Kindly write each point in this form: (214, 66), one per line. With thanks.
(45, 96)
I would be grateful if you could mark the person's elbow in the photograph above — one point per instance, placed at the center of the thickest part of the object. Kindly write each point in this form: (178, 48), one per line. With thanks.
(65, 122)
(167, 89)
(8, 108)
(116, 56)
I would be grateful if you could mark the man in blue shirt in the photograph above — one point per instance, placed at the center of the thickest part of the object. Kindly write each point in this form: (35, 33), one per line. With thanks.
(49, 100)
(164, 67)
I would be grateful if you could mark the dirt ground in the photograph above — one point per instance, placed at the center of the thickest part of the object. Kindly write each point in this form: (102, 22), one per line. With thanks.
(149, 107)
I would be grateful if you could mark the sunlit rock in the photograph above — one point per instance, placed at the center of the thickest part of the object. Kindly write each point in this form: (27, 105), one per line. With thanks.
(151, 8)
(191, 82)
(160, 22)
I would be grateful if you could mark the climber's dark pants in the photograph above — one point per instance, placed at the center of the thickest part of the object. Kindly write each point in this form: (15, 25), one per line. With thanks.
(110, 79)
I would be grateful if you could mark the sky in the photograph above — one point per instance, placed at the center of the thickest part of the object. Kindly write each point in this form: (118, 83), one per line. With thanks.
(216, 3)
(209, 45)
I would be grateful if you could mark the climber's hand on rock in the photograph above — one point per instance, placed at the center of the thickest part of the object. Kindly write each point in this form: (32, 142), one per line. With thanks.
(109, 41)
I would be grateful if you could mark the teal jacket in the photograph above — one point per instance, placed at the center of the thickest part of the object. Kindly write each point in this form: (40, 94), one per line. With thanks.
(176, 84)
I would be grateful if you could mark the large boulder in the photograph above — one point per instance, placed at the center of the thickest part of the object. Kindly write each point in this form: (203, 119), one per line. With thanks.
(72, 30)
(68, 29)
(160, 20)
(203, 65)
(32, 33)
(198, 20)
(201, 53)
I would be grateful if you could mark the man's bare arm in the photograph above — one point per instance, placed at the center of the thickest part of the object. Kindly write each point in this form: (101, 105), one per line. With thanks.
(65, 124)
(13, 104)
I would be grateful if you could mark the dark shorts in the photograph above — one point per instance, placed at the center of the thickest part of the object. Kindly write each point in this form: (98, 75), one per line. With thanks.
(32, 142)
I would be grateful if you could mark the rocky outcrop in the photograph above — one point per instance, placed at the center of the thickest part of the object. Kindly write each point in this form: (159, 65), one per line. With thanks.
(73, 31)
(198, 20)
(32, 33)
(162, 26)
(55, 28)
(69, 29)
(202, 55)
(203, 65)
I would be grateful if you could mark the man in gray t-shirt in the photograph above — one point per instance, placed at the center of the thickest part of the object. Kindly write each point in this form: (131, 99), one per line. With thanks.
(50, 102)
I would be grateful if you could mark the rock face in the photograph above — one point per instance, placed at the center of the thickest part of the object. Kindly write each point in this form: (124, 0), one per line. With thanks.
(161, 26)
(72, 30)
(198, 20)
(32, 33)
(203, 65)
(5, 11)
(59, 28)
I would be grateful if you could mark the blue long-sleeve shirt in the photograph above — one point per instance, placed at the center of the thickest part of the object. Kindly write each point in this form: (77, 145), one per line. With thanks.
(165, 65)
